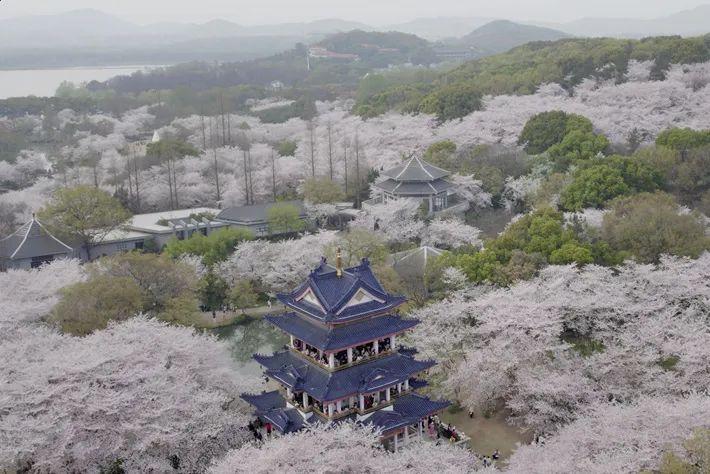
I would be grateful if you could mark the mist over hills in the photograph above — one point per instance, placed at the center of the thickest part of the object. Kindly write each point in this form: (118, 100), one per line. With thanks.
(94, 38)
(501, 35)
(685, 23)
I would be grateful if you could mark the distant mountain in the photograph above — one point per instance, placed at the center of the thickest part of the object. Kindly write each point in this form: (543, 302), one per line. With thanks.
(63, 28)
(502, 35)
(685, 23)
(436, 29)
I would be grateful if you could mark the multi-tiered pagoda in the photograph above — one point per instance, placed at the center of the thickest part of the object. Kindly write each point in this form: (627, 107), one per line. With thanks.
(343, 361)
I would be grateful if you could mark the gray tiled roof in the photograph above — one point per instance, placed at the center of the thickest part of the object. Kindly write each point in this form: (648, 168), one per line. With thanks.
(416, 169)
(255, 213)
(32, 240)
(414, 188)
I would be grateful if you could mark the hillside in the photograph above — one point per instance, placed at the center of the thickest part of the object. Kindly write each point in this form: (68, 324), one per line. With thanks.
(381, 49)
(501, 35)
(440, 28)
(521, 70)
(372, 50)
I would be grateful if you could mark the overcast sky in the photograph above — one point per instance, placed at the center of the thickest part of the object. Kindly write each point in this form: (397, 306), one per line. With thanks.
(376, 12)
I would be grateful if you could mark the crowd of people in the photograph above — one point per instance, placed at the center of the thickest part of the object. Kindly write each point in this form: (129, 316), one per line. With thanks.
(364, 352)
(255, 429)
(440, 430)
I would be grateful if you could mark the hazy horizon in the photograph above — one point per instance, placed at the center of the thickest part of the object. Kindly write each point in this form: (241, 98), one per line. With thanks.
(374, 13)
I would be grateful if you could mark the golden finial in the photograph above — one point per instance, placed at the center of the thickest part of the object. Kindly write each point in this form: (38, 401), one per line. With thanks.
(338, 263)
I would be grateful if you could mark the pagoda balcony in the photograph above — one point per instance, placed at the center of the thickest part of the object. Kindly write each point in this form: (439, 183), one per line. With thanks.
(352, 356)
(360, 404)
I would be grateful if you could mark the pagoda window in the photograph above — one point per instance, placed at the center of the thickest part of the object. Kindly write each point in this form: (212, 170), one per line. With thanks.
(360, 297)
(309, 297)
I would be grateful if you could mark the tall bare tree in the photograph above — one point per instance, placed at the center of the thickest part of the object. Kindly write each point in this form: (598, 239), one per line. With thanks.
(273, 173)
(312, 144)
(330, 148)
(357, 170)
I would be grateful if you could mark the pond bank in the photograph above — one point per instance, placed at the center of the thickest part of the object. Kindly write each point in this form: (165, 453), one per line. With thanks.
(488, 434)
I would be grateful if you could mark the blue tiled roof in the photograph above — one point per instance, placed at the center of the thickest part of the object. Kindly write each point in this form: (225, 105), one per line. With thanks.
(334, 292)
(284, 420)
(338, 337)
(300, 375)
(266, 401)
(405, 411)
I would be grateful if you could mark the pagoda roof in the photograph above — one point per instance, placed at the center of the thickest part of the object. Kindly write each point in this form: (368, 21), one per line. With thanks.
(265, 401)
(32, 240)
(300, 375)
(416, 169)
(414, 188)
(341, 336)
(285, 420)
(405, 411)
(331, 298)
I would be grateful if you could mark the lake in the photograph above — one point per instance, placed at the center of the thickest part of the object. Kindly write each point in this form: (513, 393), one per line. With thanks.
(247, 337)
(44, 82)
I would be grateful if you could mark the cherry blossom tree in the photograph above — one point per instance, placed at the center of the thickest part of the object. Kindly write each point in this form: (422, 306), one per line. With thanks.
(28, 295)
(343, 448)
(276, 266)
(569, 338)
(28, 166)
(451, 233)
(154, 396)
(617, 437)
(396, 220)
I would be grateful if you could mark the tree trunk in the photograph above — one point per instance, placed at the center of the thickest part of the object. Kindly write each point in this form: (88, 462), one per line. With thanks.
(273, 173)
(251, 177)
(330, 149)
(175, 186)
(221, 110)
(170, 184)
(246, 176)
(204, 138)
(345, 157)
(312, 142)
(216, 173)
(95, 168)
(357, 171)
(138, 193)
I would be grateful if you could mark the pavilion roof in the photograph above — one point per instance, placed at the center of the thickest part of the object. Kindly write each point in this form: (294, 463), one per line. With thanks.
(300, 375)
(332, 298)
(405, 411)
(32, 240)
(341, 336)
(414, 188)
(416, 169)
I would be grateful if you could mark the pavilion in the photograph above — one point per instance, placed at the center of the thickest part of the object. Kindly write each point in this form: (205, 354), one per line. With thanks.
(417, 179)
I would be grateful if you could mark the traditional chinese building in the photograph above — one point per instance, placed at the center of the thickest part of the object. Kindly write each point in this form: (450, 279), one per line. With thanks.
(343, 360)
(417, 179)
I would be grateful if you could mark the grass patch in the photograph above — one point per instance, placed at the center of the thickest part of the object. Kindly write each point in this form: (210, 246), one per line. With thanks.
(669, 363)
